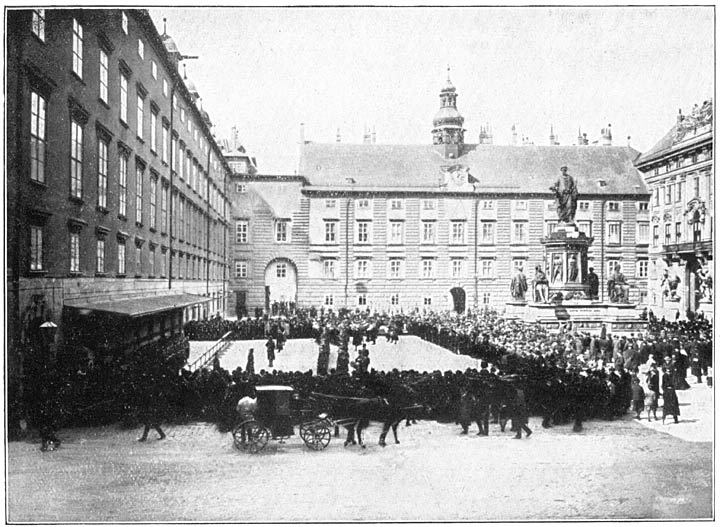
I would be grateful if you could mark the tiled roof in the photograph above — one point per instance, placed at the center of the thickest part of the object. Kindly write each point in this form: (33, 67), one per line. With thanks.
(512, 169)
(661, 146)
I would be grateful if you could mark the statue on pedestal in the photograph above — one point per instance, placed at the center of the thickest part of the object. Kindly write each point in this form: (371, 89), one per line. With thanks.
(705, 284)
(618, 290)
(518, 285)
(566, 194)
(540, 286)
(594, 283)
(669, 286)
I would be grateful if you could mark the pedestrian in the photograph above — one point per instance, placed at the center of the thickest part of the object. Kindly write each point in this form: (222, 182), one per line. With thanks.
(638, 397)
(653, 384)
(270, 346)
(520, 415)
(250, 365)
(671, 406)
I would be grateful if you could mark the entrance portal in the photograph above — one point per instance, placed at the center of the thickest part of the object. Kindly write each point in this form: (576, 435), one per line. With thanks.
(280, 283)
(458, 296)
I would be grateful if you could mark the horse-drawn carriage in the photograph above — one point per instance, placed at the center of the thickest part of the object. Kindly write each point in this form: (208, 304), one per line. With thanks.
(274, 415)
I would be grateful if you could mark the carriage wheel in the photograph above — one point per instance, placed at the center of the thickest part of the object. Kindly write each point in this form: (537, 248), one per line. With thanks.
(316, 435)
(250, 436)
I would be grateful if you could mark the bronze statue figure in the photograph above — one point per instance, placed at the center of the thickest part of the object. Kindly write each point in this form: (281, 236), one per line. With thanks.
(566, 194)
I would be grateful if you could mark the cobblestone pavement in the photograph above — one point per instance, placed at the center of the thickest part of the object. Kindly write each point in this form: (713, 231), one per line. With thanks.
(611, 470)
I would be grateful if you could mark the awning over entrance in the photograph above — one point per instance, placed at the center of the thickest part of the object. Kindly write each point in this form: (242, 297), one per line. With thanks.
(138, 307)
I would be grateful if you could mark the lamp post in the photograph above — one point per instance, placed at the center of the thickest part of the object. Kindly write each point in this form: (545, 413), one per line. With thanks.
(48, 330)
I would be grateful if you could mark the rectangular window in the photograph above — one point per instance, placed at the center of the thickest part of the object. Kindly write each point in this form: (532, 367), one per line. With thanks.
(428, 232)
(427, 301)
(122, 187)
(584, 205)
(678, 231)
(656, 235)
(36, 248)
(678, 191)
(163, 264)
(550, 227)
(123, 98)
(153, 131)
(427, 268)
(329, 268)
(396, 204)
(521, 205)
(74, 252)
(163, 209)
(642, 269)
(457, 232)
(330, 203)
(153, 202)
(643, 232)
(487, 268)
(121, 258)
(241, 231)
(487, 233)
(396, 268)
(486, 298)
(103, 76)
(362, 300)
(667, 233)
(102, 181)
(457, 268)
(140, 117)
(518, 264)
(428, 204)
(151, 261)
(281, 270)
(613, 206)
(138, 261)
(519, 232)
(37, 137)
(329, 300)
(488, 204)
(585, 227)
(77, 43)
(668, 194)
(696, 187)
(153, 69)
(165, 87)
(100, 256)
(38, 23)
(362, 268)
(397, 232)
(182, 115)
(240, 188)
(138, 194)
(614, 229)
(363, 232)
(330, 232)
(656, 197)
(165, 146)
(281, 231)
(643, 206)
(241, 270)
(124, 23)
(141, 49)
(395, 299)
(362, 203)
(611, 265)
(76, 157)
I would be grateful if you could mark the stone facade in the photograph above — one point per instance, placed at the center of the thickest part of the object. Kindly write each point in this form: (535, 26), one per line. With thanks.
(679, 173)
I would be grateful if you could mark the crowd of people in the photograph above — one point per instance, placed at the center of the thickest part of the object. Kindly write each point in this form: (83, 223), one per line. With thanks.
(565, 376)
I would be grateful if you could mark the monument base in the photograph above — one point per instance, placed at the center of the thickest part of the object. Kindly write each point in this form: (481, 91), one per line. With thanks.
(586, 316)
(706, 308)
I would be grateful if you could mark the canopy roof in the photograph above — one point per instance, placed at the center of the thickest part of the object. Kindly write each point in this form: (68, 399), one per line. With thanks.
(138, 307)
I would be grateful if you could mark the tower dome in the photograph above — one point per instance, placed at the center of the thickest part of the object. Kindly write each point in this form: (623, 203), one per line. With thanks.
(448, 123)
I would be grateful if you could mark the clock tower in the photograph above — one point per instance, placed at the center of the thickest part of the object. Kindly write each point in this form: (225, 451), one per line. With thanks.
(448, 128)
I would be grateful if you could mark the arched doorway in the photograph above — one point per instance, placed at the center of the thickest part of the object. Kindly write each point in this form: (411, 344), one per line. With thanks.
(458, 298)
(280, 284)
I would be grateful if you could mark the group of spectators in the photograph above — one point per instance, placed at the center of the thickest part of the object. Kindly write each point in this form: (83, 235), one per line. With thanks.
(566, 376)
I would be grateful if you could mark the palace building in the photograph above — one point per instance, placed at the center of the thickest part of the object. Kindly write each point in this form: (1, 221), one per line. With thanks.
(678, 171)
(116, 203)
(435, 226)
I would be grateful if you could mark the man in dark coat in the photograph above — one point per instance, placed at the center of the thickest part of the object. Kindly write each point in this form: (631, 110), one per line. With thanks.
(520, 415)
(671, 406)
(270, 346)
(594, 283)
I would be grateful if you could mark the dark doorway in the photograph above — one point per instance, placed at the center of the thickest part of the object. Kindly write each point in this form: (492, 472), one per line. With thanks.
(458, 296)
(267, 299)
(240, 303)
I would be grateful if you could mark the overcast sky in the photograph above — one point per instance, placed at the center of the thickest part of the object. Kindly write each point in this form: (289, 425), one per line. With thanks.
(266, 70)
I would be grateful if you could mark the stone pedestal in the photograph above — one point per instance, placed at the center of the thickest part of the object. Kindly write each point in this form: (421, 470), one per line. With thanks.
(567, 263)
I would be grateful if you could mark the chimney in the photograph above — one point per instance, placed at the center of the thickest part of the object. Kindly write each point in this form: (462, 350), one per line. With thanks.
(628, 141)
(514, 135)
(302, 133)
(337, 137)
(680, 117)
(607, 135)
(373, 135)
